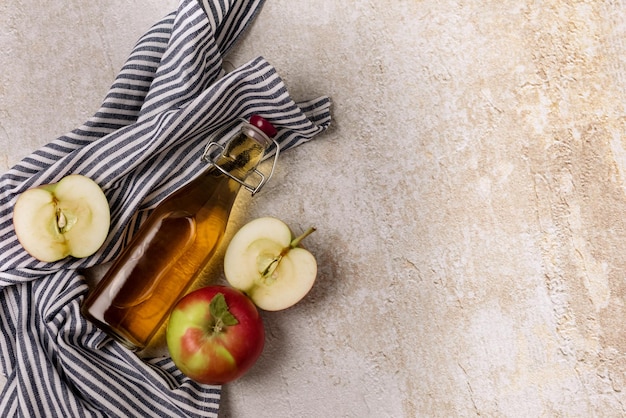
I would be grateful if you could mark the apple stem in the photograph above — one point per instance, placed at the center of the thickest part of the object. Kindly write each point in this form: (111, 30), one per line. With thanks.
(296, 241)
(293, 244)
(218, 327)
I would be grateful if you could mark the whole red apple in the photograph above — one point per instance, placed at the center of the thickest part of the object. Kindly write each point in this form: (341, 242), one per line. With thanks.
(215, 334)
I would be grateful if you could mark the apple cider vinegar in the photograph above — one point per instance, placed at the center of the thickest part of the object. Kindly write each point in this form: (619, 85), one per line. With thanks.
(178, 239)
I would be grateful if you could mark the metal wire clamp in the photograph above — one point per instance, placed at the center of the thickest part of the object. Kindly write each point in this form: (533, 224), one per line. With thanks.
(206, 157)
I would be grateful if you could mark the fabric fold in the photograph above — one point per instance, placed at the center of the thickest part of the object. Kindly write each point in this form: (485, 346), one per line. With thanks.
(144, 142)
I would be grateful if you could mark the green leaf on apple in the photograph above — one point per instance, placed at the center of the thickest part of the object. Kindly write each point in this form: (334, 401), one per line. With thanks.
(220, 313)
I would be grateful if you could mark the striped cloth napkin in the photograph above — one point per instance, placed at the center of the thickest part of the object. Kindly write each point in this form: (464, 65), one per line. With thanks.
(144, 142)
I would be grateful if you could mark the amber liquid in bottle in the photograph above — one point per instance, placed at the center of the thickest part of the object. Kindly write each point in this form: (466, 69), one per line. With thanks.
(165, 257)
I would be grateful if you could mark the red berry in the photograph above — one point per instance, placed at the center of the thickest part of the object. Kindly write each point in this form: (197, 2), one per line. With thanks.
(261, 123)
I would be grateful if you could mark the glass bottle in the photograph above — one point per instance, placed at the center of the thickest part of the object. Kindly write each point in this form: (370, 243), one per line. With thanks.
(164, 258)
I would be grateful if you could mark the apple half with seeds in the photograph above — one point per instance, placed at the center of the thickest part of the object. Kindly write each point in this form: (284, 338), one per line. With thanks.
(265, 261)
(68, 218)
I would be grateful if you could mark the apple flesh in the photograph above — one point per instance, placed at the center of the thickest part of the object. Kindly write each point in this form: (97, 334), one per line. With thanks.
(215, 334)
(264, 261)
(68, 218)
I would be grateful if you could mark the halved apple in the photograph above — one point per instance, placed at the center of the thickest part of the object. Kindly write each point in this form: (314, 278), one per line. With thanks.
(57, 220)
(265, 262)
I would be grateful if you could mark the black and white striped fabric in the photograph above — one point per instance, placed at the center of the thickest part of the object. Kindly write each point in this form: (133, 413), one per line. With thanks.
(144, 142)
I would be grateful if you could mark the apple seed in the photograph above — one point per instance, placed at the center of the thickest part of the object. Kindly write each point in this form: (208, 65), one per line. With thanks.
(61, 220)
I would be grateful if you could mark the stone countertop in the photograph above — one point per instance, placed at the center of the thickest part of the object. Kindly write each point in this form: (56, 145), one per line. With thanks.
(469, 197)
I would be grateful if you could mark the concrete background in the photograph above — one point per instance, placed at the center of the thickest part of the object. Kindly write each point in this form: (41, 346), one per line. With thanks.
(469, 198)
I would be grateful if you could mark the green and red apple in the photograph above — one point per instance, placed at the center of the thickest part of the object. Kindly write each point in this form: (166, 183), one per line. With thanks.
(68, 218)
(215, 334)
(266, 262)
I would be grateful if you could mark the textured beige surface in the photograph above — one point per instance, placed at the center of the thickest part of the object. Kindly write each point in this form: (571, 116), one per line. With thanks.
(469, 199)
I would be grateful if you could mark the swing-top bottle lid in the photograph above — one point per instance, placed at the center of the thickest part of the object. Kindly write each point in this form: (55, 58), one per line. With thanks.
(264, 125)
(258, 128)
